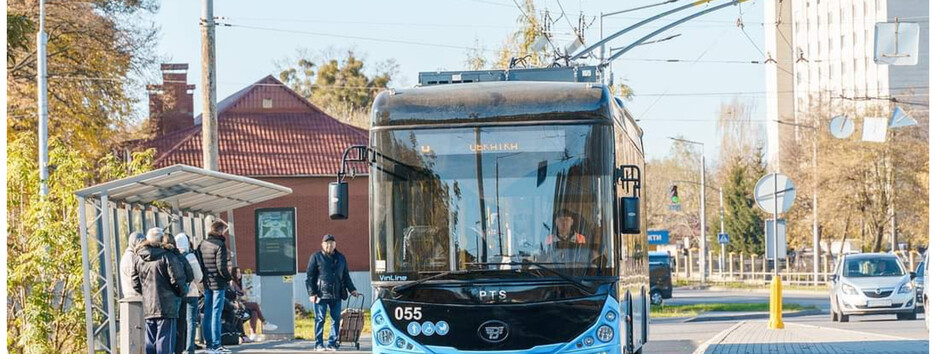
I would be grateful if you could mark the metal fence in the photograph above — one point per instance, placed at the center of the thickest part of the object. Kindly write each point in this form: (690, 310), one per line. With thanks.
(755, 269)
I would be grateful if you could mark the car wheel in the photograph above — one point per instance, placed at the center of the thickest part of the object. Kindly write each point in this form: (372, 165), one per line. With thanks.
(833, 312)
(656, 297)
(843, 317)
(910, 316)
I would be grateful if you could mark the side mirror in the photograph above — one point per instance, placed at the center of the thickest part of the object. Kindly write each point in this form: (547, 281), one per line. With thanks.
(630, 215)
(338, 200)
(913, 275)
(833, 277)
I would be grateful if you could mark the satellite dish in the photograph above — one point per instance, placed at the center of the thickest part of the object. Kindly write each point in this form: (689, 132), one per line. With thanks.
(842, 127)
(765, 188)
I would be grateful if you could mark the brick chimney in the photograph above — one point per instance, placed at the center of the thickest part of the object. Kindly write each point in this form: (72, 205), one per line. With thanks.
(170, 104)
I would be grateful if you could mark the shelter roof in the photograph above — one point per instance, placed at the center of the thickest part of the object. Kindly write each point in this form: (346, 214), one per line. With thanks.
(193, 188)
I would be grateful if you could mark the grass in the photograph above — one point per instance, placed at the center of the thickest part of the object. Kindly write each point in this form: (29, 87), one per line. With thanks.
(305, 326)
(691, 310)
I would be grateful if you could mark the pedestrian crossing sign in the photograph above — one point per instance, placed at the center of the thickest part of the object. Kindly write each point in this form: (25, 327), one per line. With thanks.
(723, 238)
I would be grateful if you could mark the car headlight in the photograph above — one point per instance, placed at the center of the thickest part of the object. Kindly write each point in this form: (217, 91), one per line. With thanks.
(605, 333)
(906, 288)
(849, 290)
(385, 337)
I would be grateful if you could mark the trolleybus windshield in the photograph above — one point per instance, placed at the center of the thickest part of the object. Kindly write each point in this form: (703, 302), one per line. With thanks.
(492, 198)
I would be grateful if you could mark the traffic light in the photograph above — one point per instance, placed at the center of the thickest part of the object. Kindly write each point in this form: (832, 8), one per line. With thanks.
(674, 195)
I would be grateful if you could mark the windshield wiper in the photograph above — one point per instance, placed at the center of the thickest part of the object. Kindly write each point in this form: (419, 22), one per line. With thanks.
(404, 287)
(581, 284)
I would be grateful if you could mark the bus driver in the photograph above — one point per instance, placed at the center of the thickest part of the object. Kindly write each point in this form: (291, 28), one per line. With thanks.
(564, 236)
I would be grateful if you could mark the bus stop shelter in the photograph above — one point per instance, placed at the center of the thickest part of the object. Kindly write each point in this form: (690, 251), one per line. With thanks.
(179, 198)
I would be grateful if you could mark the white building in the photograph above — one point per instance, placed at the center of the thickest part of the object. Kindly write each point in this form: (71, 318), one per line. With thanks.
(824, 53)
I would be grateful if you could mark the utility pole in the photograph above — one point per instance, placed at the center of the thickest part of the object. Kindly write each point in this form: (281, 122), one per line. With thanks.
(209, 89)
(702, 249)
(41, 72)
(815, 206)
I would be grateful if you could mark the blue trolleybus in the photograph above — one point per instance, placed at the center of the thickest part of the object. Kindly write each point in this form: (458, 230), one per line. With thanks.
(505, 217)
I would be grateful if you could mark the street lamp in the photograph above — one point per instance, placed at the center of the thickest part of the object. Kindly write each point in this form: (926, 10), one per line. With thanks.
(702, 241)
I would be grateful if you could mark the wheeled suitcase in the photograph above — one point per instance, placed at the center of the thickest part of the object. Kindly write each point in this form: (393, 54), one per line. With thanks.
(352, 322)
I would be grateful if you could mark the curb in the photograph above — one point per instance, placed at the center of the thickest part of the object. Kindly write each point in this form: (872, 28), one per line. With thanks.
(753, 316)
(717, 338)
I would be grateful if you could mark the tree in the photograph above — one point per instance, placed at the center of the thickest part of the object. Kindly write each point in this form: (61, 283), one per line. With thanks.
(859, 182)
(743, 222)
(679, 167)
(341, 88)
(96, 50)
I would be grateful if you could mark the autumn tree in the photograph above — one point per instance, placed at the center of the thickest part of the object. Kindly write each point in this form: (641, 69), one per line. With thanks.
(341, 87)
(98, 51)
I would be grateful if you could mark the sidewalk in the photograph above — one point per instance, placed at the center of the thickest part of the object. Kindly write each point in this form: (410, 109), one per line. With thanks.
(752, 337)
(298, 346)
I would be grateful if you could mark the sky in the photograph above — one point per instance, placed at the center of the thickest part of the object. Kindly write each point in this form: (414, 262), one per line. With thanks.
(671, 98)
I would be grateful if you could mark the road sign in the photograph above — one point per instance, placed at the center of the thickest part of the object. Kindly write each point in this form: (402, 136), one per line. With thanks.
(770, 240)
(896, 43)
(723, 238)
(842, 127)
(765, 189)
(658, 237)
(874, 130)
(900, 119)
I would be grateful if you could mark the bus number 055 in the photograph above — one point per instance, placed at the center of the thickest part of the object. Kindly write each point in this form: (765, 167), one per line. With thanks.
(408, 313)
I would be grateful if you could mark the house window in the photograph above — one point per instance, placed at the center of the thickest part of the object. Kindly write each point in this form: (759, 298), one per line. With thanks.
(267, 103)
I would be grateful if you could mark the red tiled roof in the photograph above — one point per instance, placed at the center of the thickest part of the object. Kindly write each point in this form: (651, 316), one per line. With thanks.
(294, 138)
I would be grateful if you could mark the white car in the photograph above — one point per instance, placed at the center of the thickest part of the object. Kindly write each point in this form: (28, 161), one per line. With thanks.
(871, 284)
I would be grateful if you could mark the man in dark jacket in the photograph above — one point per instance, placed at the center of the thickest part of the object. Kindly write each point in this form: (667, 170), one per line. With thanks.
(160, 277)
(328, 282)
(214, 259)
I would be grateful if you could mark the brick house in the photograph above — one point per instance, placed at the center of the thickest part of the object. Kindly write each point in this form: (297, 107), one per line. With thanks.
(269, 132)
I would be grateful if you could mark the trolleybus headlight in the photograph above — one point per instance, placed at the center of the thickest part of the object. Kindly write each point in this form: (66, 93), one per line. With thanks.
(605, 333)
(385, 337)
(400, 343)
(610, 316)
(589, 341)
(378, 320)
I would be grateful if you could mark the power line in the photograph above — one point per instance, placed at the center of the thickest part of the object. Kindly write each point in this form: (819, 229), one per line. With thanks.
(323, 34)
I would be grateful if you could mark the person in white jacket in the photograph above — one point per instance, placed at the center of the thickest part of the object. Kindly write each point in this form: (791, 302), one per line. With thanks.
(126, 265)
(188, 317)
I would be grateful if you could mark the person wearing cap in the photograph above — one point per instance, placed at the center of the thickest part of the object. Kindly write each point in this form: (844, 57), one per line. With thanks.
(213, 254)
(160, 277)
(328, 282)
(126, 264)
